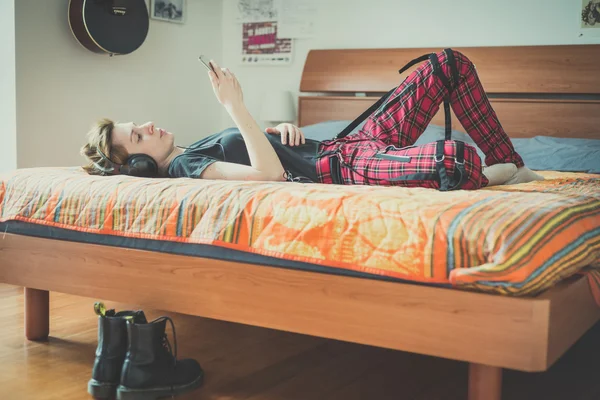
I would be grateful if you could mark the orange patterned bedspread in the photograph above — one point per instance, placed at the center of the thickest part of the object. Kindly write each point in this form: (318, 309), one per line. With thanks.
(516, 240)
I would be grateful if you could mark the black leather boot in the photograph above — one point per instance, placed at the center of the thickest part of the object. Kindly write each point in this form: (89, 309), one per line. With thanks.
(111, 350)
(151, 369)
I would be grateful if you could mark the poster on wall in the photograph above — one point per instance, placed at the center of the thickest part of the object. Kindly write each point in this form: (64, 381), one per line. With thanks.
(589, 18)
(297, 18)
(262, 46)
(256, 10)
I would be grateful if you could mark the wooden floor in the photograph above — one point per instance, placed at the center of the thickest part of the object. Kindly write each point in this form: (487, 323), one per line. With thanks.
(244, 362)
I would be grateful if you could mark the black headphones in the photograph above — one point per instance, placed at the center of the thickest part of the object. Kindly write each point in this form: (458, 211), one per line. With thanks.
(141, 165)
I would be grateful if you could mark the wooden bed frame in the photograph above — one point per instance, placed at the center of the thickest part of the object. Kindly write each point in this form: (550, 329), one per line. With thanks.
(490, 332)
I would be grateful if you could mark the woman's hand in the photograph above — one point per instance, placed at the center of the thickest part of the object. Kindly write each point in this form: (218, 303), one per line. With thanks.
(289, 134)
(226, 86)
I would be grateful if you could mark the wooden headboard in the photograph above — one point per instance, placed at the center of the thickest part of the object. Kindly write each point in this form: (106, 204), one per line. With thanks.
(535, 90)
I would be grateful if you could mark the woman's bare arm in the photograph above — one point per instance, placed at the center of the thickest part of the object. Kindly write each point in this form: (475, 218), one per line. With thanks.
(263, 158)
(237, 172)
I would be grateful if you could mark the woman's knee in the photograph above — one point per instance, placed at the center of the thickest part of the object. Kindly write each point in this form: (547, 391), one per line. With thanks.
(464, 65)
(461, 58)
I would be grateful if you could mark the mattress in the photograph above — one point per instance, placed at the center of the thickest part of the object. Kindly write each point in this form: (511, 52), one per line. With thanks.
(512, 240)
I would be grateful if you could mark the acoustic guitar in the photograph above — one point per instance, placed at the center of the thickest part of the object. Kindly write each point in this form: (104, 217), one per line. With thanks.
(109, 26)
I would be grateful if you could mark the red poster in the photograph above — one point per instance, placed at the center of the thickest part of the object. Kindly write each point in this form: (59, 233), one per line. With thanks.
(260, 44)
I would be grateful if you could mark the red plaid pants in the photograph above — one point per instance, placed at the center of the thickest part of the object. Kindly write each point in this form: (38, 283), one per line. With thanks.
(398, 123)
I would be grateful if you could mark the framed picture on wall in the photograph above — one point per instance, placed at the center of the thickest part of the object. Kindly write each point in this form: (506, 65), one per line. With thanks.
(168, 10)
(590, 18)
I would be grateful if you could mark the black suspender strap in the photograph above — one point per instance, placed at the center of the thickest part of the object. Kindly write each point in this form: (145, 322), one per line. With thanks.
(459, 166)
(413, 62)
(448, 119)
(460, 174)
(437, 69)
(440, 167)
(453, 67)
(364, 115)
(334, 167)
(460, 152)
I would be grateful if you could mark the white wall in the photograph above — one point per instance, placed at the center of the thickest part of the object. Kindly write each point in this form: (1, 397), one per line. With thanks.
(8, 119)
(63, 88)
(406, 24)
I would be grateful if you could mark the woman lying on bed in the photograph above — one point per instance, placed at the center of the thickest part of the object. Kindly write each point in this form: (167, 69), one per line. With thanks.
(247, 153)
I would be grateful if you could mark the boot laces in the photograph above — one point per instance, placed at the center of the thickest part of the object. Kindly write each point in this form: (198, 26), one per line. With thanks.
(165, 340)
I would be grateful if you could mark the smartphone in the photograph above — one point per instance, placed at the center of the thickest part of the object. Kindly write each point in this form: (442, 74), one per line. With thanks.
(206, 64)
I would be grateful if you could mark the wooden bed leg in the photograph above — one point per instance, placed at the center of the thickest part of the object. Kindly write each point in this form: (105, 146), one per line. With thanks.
(485, 382)
(37, 314)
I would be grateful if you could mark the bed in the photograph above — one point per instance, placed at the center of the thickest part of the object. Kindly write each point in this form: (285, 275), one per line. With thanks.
(146, 258)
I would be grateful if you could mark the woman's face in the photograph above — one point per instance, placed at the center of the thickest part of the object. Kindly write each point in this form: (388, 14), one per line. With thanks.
(144, 139)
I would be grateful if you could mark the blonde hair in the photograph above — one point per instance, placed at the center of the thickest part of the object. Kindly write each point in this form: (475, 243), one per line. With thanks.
(100, 139)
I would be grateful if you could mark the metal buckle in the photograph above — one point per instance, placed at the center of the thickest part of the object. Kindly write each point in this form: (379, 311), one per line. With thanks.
(440, 160)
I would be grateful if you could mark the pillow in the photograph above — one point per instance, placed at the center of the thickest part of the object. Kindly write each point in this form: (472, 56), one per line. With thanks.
(326, 130)
(560, 154)
(542, 153)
